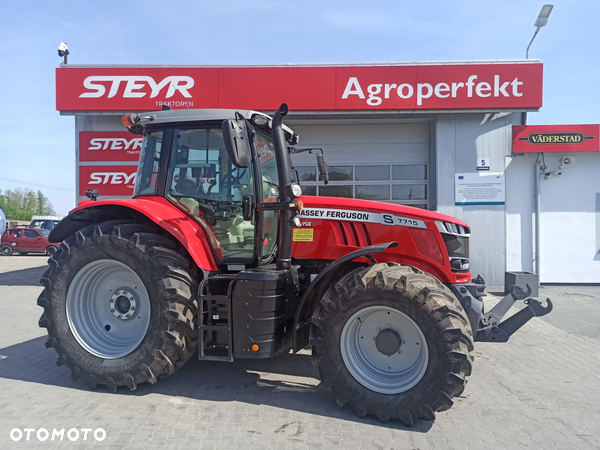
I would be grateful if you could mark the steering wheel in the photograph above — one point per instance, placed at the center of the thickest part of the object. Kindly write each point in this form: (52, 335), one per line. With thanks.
(229, 179)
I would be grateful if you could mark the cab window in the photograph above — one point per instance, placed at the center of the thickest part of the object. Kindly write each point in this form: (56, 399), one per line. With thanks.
(270, 191)
(147, 174)
(204, 183)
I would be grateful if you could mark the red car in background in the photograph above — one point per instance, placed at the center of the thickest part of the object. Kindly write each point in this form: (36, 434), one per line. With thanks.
(26, 240)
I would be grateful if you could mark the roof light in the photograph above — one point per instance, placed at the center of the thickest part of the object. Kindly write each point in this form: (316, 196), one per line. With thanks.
(259, 120)
(130, 120)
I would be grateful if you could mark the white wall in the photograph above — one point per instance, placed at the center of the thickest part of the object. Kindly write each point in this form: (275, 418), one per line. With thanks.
(570, 221)
(520, 213)
(461, 139)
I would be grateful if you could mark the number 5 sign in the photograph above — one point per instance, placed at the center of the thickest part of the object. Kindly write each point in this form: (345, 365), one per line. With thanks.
(483, 163)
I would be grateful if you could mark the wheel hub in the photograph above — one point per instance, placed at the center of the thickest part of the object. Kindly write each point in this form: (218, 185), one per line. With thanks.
(123, 304)
(388, 342)
(384, 349)
(108, 308)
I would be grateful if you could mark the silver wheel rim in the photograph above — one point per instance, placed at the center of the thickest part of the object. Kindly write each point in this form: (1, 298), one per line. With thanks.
(6, 250)
(108, 309)
(375, 328)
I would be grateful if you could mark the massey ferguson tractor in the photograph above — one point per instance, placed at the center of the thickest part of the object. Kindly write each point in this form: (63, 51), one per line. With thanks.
(219, 254)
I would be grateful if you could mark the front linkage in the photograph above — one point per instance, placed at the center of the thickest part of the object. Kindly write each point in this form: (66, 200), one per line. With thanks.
(487, 326)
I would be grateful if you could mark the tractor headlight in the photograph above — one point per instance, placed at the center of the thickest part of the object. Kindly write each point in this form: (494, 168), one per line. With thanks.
(296, 190)
(296, 222)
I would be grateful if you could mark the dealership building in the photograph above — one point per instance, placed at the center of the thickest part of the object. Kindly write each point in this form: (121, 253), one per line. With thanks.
(445, 136)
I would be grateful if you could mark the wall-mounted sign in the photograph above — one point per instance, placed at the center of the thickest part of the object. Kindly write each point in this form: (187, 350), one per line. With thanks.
(482, 188)
(556, 138)
(483, 164)
(107, 180)
(431, 86)
(109, 146)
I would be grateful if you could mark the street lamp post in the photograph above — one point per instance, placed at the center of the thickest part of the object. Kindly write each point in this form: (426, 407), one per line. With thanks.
(541, 21)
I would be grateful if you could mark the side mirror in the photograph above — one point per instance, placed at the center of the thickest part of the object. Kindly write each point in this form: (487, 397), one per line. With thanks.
(237, 142)
(247, 207)
(322, 164)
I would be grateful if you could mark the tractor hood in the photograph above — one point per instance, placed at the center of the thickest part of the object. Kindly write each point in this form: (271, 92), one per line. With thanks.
(348, 207)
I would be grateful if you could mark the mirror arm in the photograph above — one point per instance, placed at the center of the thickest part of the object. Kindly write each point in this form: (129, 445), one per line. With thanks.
(278, 206)
(294, 150)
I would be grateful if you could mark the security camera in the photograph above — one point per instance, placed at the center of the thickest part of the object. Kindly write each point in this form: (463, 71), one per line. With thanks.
(63, 49)
(567, 161)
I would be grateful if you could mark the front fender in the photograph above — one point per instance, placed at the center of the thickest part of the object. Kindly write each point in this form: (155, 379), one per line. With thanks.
(155, 209)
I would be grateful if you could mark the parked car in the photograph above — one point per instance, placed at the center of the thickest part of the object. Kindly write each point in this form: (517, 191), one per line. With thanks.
(26, 240)
(47, 222)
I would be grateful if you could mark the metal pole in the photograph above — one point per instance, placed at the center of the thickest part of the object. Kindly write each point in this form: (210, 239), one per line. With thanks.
(538, 172)
(531, 42)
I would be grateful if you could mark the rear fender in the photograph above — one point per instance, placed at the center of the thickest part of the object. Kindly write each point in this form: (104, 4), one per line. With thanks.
(311, 298)
(142, 209)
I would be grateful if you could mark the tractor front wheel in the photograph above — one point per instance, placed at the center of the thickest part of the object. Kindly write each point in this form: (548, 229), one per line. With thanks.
(392, 341)
(119, 305)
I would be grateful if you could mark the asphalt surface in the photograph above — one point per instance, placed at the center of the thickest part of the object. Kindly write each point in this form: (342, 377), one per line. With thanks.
(540, 390)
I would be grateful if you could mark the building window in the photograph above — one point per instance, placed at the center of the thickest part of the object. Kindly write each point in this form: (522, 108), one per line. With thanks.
(406, 184)
(336, 191)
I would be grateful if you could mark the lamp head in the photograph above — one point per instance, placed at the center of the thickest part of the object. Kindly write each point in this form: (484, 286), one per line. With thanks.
(542, 19)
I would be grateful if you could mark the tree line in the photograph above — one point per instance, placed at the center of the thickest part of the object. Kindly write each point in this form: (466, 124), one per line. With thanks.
(21, 204)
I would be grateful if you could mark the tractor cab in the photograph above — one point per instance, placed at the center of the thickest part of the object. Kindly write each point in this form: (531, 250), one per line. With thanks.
(218, 168)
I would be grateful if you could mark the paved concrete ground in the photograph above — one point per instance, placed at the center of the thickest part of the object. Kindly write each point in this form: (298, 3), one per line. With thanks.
(541, 390)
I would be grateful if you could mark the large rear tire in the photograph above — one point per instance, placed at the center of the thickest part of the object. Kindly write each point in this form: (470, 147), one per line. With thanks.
(119, 305)
(392, 341)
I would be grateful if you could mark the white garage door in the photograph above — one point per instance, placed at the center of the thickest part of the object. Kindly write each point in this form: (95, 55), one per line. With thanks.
(384, 162)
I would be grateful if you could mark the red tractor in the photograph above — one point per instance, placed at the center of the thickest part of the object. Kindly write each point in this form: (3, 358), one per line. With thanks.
(218, 252)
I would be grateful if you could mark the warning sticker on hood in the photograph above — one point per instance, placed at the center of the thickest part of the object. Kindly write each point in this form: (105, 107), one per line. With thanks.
(360, 216)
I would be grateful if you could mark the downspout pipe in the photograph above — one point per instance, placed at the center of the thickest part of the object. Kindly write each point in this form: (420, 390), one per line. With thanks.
(538, 172)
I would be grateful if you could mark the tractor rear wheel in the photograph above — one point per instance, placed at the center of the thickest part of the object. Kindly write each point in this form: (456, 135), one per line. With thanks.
(119, 305)
(392, 341)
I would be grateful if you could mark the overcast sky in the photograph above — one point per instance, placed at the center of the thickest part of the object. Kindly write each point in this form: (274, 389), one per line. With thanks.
(37, 145)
